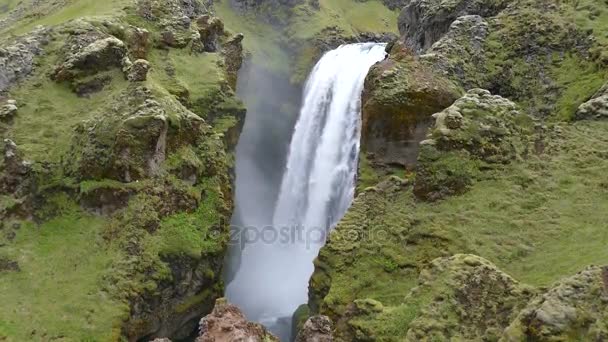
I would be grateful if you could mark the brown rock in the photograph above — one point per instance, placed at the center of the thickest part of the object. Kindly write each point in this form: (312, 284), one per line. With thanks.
(399, 97)
(316, 329)
(226, 323)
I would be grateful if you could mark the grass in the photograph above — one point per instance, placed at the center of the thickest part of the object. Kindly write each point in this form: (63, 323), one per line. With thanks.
(57, 292)
(50, 14)
(192, 234)
(48, 112)
(538, 220)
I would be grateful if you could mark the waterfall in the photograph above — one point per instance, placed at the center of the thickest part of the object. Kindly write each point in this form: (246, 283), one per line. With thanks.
(316, 190)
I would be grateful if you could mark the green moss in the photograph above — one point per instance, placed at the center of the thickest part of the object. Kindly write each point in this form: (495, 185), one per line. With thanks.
(58, 290)
(196, 233)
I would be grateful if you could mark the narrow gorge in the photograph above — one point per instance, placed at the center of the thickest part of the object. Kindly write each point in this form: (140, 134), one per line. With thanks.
(317, 188)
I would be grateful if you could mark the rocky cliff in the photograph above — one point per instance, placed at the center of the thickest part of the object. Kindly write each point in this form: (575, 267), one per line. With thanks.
(119, 120)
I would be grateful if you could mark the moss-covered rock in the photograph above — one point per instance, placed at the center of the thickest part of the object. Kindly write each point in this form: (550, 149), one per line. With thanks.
(596, 107)
(399, 97)
(424, 22)
(478, 129)
(575, 308)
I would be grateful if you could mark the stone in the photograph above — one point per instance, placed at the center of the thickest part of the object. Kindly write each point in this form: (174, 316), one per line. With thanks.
(100, 55)
(232, 50)
(316, 329)
(138, 71)
(18, 59)
(460, 54)
(8, 110)
(226, 323)
(575, 306)
(478, 128)
(596, 108)
(399, 97)
(138, 41)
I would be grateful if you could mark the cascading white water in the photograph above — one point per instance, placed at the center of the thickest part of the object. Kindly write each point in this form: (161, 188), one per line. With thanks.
(317, 189)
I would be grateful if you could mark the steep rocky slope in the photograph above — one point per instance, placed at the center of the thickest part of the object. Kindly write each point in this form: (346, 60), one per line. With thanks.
(119, 119)
(510, 174)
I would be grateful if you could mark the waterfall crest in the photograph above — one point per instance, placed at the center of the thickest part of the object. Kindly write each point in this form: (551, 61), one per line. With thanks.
(316, 190)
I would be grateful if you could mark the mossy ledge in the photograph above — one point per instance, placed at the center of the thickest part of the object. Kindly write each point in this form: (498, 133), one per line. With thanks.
(116, 180)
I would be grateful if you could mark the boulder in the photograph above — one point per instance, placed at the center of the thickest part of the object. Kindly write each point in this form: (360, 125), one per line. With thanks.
(8, 110)
(15, 171)
(232, 50)
(99, 55)
(138, 71)
(460, 54)
(17, 60)
(226, 323)
(129, 139)
(210, 30)
(596, 107)
(576, 306)
(138, 40)
(399, 97)
(464, 297)
(477, 129)
(316, 329)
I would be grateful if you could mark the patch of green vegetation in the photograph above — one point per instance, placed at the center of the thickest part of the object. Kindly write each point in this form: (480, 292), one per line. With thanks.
(58, 291)
(580, 80)
(196, 233)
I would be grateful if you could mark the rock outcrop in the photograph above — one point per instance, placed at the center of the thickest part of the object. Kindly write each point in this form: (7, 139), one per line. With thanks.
(478, 128)
(316, 329)
(424, 22)
(18, 59)
(399, 97)
(226, 323)
(576, 306)
(596, 107)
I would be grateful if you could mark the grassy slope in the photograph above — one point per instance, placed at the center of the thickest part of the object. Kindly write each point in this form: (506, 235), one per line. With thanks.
(73, 282)
(57, 291)
(538, 220)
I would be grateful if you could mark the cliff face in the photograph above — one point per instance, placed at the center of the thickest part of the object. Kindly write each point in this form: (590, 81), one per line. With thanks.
(506, 172)
(116, 176)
